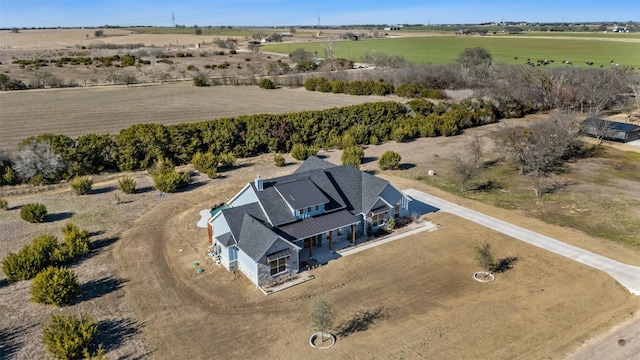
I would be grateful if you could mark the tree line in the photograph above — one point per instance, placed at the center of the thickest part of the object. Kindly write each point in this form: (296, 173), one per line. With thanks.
(49, 158)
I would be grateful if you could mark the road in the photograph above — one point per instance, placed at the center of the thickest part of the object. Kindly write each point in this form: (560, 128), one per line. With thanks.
(627, 275)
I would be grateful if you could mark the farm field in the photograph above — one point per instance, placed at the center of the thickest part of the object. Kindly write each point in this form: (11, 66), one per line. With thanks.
(444, 49)
(107, 110)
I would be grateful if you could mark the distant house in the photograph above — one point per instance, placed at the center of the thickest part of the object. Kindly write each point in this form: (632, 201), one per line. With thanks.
(610, 130)
(273, 225)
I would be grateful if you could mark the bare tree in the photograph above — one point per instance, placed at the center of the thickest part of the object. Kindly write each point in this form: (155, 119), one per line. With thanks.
(484, 257)
(321, 316)
(330, 49)
(463, 170)
(475, 148)
(37, 158)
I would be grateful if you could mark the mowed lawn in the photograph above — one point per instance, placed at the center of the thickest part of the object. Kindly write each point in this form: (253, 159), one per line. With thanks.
(444, 49)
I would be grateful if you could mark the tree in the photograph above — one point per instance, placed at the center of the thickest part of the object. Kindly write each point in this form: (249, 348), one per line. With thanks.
(197, 30)
(127, 185)
(37, 158)
(474, 146)
(81, 185)
(301, 55)
(330, 49)
(98, 33)
(167, 179)
(475, 64)
(55, 286)
(352, 155)
(321, 316)
(389, 160)
(463, 170)
(69, 336)
(484, 257)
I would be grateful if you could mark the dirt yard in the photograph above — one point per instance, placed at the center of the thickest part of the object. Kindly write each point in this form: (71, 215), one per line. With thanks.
(140, 283)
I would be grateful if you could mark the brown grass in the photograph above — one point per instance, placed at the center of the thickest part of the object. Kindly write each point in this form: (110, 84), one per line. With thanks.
(107, 110)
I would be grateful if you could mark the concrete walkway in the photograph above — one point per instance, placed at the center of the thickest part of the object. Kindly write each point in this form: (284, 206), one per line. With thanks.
(627, 275)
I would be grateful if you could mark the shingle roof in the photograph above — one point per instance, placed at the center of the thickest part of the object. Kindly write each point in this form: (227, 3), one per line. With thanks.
(234, 217)
(313, 163)
(255, 238)
(318, 225)
(301, 194)
(360, 189)
(225, 239)
(275, 206)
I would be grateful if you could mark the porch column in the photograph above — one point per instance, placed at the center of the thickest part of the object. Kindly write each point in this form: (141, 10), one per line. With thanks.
(310, 247)
(330, 238)
(353, 233)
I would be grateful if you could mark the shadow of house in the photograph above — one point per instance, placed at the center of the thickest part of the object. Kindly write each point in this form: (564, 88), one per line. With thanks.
(420, 208)
(98, 288)
(113, 332)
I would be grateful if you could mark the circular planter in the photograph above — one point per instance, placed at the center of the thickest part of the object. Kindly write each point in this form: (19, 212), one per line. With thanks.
(330, 337)
(483, 276)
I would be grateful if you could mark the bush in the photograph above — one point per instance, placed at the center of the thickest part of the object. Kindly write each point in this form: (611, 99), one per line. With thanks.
(227, 159)
(389, 160)
(69, 337)
(127, 185)
(4, 204)
(31, 259)
(266, 84)
(302, 152)
(81, 185)
(76, 241)
(278, 160)
(200, 80)
(167, 179)
(55, 286)
(352, 155)
(33, 212)
(206, 163)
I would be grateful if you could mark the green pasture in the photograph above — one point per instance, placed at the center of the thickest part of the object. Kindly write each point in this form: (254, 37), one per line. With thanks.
(444, 49)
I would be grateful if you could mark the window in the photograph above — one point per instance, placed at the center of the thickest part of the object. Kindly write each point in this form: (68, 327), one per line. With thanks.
(300, 211)
(278, 266)
(340, 231)
(378, 219)
(317, 207)
(396, 211)
(308, 209)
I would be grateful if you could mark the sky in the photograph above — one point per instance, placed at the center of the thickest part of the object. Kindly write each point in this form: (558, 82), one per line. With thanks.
(91, 13)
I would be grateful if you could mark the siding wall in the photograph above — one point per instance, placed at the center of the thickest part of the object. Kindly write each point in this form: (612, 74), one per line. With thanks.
(393, 196)
(247, 266)
(246, 196)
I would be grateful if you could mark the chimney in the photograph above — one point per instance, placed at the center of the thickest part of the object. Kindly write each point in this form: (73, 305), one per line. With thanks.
(258, 183)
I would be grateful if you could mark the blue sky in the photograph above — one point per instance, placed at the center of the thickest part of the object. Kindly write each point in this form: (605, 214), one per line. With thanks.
(73, 13)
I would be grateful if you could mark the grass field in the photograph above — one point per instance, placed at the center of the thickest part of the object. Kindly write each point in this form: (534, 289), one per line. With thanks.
(107, 110)
(444, 49)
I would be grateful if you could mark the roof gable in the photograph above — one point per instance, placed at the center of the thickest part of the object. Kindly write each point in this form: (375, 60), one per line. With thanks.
(255, 238)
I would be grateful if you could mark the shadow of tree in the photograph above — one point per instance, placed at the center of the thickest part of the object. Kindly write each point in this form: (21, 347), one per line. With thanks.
(96, 246)
(97, 288)
(368, 159)
(3, 283)
(9, 341)
(58, 216)
(113, 332)
(504, 264)
(143, 190)
(103, 190)
(361, 321)
(406, 166)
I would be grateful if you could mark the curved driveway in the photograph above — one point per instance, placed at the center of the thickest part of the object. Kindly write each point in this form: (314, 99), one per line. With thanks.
(627, 275)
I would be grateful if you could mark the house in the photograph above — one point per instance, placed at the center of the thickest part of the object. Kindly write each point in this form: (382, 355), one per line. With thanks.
(610, 130)
(273, 225)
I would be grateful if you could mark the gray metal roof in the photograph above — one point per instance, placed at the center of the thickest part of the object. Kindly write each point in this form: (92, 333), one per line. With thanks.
(613, 125)
(301, 194)
(319, 224)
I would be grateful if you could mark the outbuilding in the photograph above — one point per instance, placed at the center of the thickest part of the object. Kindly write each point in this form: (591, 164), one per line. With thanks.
(610, 130)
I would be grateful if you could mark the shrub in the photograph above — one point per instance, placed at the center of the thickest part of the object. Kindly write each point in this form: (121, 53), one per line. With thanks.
(232, 52)
(55, 286)
(206, 163)
(266, 84)
(302, 152)
(278, 160)
(127, 185)
(31, 259)
(373, 140)
(4, 204)
(76, 242)
(310, 84)
(33, 212)
(352, 155)
(81, 185)
(167, 179)
(200, 80)
(389, 160)
(227, 159)
(69, 337)
(191, 68)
